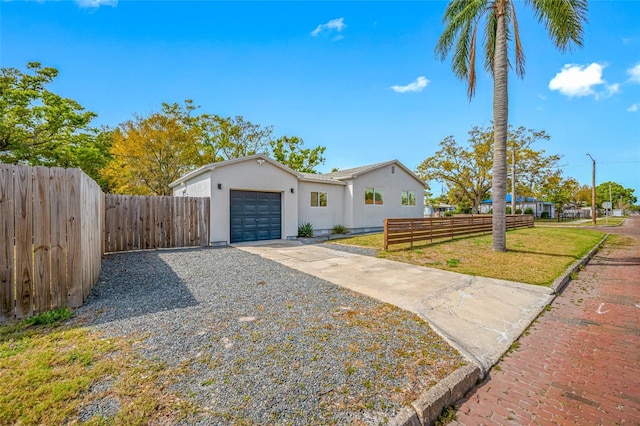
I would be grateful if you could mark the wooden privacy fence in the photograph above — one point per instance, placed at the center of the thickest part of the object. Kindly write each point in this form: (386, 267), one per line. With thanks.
(140, 222)
(397, 231)
(51, 223)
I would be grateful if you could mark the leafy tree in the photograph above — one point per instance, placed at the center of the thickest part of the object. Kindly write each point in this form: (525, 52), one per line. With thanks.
(563, 20)
(467, 170)
(39, 127)
(559, 190)
(227, 138)
(93, 155)
(287, 150)
(533, 167)
(582, 195)
(620, 196)
(149, 153)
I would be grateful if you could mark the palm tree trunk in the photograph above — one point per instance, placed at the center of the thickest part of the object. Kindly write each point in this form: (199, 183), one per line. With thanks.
(500, 123)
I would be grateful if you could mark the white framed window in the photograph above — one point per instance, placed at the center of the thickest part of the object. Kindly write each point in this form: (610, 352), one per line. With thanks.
(408, 198)
(374, 196)
(318, 199)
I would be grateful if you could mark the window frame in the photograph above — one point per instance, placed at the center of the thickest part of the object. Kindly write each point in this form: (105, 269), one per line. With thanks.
(318, 199)
(374, 192)
(408, 196)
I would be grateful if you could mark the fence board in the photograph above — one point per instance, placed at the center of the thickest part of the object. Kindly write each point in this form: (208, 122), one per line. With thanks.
(41, 240)
(398, 231)
(23, 194)
(74, 232)
(7, 234)
(58, 224)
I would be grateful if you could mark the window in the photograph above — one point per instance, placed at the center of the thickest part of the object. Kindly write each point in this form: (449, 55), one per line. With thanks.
(318, 199)
(408, 198)
(374, 196)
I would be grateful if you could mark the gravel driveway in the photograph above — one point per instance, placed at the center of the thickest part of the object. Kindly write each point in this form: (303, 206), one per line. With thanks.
(255, 342)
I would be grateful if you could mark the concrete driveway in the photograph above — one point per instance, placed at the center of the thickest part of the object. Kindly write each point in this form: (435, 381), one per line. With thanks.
(481, 317)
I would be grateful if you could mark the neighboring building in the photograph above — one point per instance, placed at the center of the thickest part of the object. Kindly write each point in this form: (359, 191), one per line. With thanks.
(256, 198)
(522, 203)
(438, 210)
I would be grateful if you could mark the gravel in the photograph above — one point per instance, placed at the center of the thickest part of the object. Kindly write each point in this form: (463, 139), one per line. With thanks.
(255, 342)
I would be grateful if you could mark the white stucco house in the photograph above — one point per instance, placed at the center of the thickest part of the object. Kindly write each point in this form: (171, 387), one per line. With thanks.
(256, 198)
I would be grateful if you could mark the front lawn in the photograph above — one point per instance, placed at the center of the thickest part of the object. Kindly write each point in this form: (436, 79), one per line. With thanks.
(536, 255)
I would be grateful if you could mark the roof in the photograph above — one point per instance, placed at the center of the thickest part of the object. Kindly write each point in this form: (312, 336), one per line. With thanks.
(354, 172)
(213, 166)
(336, 178)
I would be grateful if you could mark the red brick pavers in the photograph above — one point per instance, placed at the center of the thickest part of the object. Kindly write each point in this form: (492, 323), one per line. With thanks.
(579, 363)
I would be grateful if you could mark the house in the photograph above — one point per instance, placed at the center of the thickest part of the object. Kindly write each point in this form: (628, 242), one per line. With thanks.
(256, 198)
(523, 203)
(438, 210)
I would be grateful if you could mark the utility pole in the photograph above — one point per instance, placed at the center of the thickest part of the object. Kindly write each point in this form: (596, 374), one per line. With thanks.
(593, 191)
(513, 182)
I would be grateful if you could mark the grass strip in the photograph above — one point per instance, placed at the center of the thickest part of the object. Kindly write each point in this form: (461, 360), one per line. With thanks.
(536, 255)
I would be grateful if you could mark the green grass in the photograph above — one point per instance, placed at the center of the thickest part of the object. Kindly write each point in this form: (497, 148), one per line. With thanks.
(601, 221)
(47, 369)
(536, 255)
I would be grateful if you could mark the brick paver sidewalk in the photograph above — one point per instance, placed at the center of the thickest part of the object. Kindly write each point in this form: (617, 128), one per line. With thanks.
(579, 363)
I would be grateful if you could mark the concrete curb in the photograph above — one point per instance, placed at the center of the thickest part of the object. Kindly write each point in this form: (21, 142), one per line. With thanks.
(561, 282)
(428, 407)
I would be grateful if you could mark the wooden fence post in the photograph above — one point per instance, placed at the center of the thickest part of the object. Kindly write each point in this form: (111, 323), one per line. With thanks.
(7, 237)
(386, 234)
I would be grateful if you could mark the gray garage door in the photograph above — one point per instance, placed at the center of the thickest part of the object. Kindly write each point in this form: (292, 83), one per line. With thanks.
(255, 216)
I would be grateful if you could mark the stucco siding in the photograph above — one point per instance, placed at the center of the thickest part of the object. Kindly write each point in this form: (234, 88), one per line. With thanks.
(323, 219)
(392, 180)
(251, 176)
(199, 186)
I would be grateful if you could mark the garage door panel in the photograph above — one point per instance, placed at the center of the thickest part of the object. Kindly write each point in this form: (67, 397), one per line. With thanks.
(255, 216)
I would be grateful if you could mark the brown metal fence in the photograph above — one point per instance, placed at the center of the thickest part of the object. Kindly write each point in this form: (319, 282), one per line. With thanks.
(143, 222)
(50, 238)
(398, 231)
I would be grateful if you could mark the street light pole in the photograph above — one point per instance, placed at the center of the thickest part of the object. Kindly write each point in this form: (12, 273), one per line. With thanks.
(593, 191)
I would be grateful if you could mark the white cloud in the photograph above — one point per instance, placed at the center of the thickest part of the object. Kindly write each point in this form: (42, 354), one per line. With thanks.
(634, 74)
(333, 25)
(633, 108)
(583, 80)
(96, 3)
(417, 86)
(577, 80)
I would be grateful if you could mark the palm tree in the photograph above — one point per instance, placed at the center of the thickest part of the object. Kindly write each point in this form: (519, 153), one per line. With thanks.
(562, 18)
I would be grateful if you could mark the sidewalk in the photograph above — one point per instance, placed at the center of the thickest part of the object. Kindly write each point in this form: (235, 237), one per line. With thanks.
(579, 362)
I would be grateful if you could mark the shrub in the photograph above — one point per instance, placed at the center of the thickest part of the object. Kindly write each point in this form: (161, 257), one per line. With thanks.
(528, 210)
(52, 317)
(339, 229)
(518, 211)
(544, 215)
(448, 214)
(508, 210)
(305, 230)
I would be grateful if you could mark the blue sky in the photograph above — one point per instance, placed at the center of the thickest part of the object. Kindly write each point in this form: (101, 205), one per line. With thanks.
(360, 78)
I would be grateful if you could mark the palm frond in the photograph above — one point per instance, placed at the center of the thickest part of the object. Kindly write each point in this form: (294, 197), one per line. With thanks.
(459, 38)
(519, 52)
(563, 19)
(490, 43)
(471, 78)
